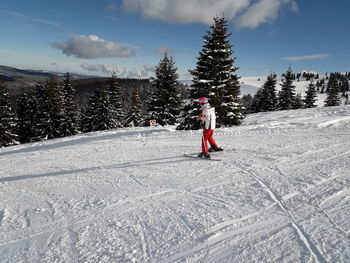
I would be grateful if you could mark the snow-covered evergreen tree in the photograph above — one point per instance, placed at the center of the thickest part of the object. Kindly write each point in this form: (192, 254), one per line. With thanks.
(164, 103)
(247, 101)
(98, 115)
(56, 125)
(115, 102)
(48, 105)
(134, 116)
(26, 112)
(23, 128)
(298, 102)
(270, 93)
(258, 101)
(87, 116)
(265, 98)
(215, 78)
(344, 86)
(7, 122)
(333, 98)
(286, 97)
(311, 96)
(152, 103)
(41, 112)
(32, 116)
(70, 107)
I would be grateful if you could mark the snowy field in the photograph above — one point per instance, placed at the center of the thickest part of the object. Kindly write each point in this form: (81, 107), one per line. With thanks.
(250, 85)
(279, 193)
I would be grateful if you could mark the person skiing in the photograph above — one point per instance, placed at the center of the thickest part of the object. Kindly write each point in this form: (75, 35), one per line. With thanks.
(208, 122)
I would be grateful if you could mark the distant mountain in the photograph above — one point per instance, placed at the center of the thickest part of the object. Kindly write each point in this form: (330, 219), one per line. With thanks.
(25, 78)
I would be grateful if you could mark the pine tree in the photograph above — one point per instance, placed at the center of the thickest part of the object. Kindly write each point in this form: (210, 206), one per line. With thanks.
(258, 102)
(115, 102)
(134, 117)
(26, 125)
(49, 116)
(298, 102)
(164, 102)
(311, 97)
(318, 85)
(265, 98)
(98, 115)
(87, 116)
(152, 103)
(7, 122)
(70, 107)
(102, 119)
(270, 94)
(247, 101)
(22, 118)
(344, 86)
(56, 126)
(286, 100)
(41, 115)
(333, 98)
(215, 78)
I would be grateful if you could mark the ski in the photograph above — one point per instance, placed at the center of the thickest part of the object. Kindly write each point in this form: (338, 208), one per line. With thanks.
(190, 155)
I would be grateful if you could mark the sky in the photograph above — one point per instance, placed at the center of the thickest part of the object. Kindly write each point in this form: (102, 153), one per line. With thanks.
(129, 37)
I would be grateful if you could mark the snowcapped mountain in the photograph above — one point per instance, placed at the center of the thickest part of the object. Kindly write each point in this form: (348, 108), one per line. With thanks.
(278, 193)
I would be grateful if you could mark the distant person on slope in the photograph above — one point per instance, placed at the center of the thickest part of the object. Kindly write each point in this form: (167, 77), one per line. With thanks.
(208, 122)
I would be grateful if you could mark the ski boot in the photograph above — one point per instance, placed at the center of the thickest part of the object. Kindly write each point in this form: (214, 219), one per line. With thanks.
(204, 155)
(215, 149)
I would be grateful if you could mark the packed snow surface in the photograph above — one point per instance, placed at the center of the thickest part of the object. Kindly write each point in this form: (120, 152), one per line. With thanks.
(278, 193)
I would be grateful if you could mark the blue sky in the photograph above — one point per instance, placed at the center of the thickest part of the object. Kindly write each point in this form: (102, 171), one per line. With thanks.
(96, 37)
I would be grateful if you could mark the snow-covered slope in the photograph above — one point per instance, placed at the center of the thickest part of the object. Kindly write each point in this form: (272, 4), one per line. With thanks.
(250, 85)
(279, 194)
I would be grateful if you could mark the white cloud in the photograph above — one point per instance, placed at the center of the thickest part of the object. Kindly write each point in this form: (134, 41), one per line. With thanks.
(146, 72)
(93, 47)
(100, 68)
(264, 11)
(308, 57)
(247, 13)
(186, 11)
(122, 72)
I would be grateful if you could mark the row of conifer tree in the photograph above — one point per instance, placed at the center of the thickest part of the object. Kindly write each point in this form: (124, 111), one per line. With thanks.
(51, 111)
(267, 98)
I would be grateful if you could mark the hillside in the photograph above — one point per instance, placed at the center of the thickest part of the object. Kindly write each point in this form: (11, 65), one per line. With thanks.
(250, 85)
(18, 80)
(25, 78)
(278, 193)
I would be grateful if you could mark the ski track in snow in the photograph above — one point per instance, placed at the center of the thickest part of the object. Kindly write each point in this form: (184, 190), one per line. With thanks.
(280, 194)
(2, 216)
(314, 250)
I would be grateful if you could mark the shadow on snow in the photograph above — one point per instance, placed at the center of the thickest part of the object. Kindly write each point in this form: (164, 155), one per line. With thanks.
(69, 141)
(157, 161)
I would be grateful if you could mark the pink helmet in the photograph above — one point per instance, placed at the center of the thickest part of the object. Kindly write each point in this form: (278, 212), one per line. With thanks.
(203, 100)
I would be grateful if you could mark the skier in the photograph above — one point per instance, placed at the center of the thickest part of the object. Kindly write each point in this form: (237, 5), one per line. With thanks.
(208, 122)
